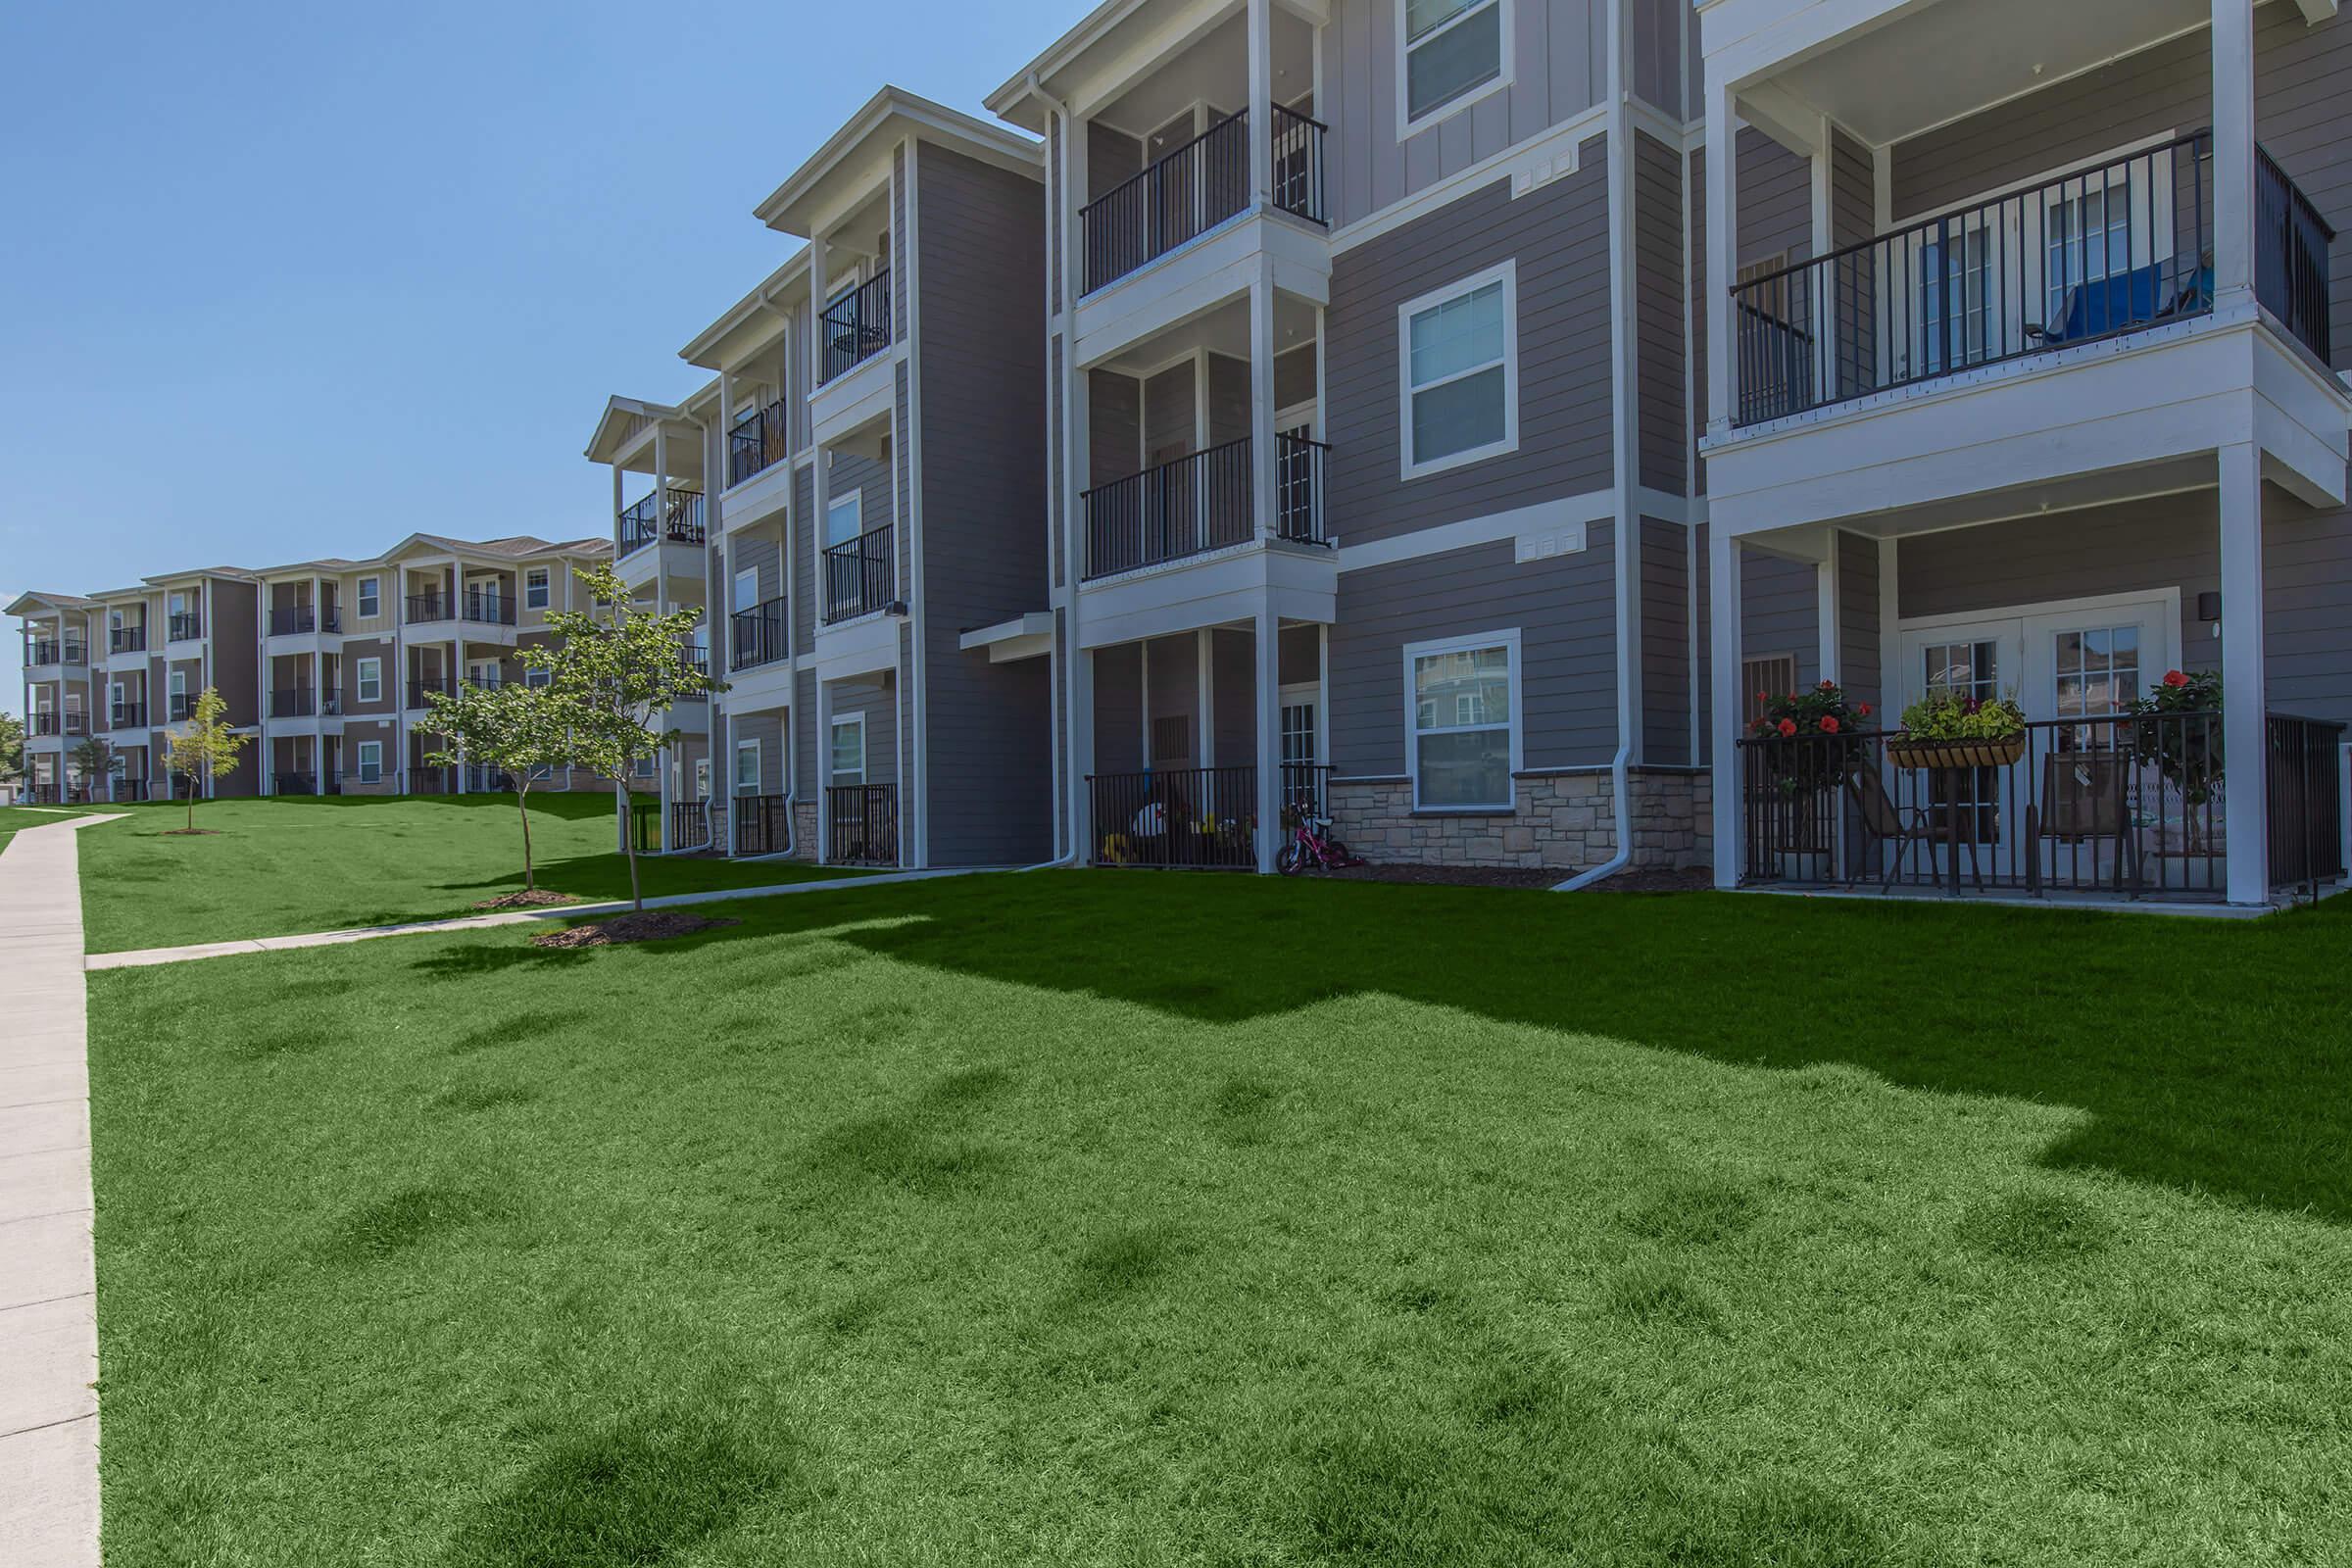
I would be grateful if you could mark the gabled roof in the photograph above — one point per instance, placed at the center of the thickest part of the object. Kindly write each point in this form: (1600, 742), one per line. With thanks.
(162, 578)
(34, 602)
(889, 115)
(1017, 102)
(515, 547)
(324, 566)
(773, 298)
(617, 426)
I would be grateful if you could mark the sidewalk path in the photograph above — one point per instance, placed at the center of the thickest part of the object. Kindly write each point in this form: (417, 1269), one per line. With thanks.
(145, 957)
(48, 1285)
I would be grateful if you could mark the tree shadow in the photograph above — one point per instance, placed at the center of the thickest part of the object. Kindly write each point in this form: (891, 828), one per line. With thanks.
(2208, 1056)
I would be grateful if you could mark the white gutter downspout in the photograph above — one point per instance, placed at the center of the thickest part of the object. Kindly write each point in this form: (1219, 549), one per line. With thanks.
(1059, 183)
(1627, 543)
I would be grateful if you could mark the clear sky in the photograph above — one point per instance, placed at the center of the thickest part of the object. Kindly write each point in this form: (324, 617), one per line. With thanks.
(293, 279)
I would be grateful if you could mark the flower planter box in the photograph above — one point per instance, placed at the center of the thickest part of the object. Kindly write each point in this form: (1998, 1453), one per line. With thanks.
(2001, 753)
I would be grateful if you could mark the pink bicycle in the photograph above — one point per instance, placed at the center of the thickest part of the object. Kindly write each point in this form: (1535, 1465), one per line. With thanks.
(1312, 844)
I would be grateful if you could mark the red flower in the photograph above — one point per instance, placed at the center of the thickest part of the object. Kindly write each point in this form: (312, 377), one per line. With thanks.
(1787, 726)
(1864, 710)
(1827, 686)
(1761, 698)
(1829, 723)
(2175, 679)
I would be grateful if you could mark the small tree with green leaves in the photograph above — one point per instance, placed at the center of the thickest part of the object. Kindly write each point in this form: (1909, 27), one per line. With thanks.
(12, 746)
(206, 746)
(615, 672)
(97, 758)
(515, 728)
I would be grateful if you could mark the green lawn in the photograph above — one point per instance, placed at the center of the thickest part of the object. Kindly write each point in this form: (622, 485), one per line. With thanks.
(278, 868)
(15, 818)
(1134, 1219)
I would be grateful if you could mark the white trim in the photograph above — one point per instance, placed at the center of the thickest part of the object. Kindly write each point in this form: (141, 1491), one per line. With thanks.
(1506, 274)
(824, 522)
(1536, 161)
(735, 583)
(1508, 641)
(1408, 124)
(545, 587)
(366, 672)
(362, 765)
(361, 596)
(2088, 604)
(834, 724)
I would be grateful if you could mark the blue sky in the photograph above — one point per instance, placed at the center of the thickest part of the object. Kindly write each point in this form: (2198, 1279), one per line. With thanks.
(281, 281)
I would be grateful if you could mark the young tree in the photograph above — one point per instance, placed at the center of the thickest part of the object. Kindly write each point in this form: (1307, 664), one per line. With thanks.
(12, 746)
(97, 758)
(207, 747)
(615, 672)
(514, 728)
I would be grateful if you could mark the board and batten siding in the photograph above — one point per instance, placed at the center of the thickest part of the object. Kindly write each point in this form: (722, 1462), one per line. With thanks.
(1558, 237)
(1563, 607)
(1558, 66)
(988, 741)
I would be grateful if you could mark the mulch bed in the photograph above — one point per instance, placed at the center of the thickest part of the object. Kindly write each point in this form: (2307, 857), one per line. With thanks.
(1631, 880)
(191, 832)
(537, 899)
(651, 925)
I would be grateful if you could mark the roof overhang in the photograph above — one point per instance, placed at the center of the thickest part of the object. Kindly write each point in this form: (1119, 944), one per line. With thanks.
(1026, 636)
(623, 421)
(753, 321)
(856, 160)
(36, 602)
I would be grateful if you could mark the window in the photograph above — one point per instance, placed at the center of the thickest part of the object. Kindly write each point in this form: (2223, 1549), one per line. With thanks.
(644, 768)
(372, 755)
(1460, 372)
(2099, 670)
(1451, 54)
(1762, 679)
(1959, 316)
(845, 518)
(746, 591)
(747, 768)
(371, 598)
(849, 750)
(1462, 728)
(371, 681)
(535, 588)
(177, 683)
(702, 778)
(536, 678)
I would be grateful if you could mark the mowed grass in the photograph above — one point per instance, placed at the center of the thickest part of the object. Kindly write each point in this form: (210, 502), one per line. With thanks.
(1121, 1218)
(282, 867)
(14, 819)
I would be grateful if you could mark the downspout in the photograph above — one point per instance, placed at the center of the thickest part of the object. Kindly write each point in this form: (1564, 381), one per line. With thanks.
(1626, 542)
(1059, 183)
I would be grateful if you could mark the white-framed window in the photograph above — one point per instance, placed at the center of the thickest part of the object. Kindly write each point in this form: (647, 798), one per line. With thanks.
(747, 768)
(845, 518)
(1459, 372)
(702, 778)
(537, 588)
(2098, 669)
(177, 683)
(1461, 721)
(371, 598)
(372, 759)
(847, 756)
(644, 768)
(371, 683)
(1449, 54)
(745, 590)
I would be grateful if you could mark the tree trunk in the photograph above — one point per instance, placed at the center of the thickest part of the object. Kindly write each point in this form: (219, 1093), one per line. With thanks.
(523, 804)
(629, 834)
(191, 806)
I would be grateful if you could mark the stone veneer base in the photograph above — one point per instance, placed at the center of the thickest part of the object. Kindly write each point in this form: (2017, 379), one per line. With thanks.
(1563, 821)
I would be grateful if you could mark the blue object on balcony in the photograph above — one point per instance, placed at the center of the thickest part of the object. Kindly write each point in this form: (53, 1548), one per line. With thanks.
(2124, 300)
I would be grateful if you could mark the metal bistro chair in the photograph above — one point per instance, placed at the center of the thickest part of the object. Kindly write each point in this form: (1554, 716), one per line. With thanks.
(1883, 822)
(2085, 798)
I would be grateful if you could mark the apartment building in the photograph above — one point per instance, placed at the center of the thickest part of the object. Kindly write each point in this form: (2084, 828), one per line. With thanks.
(327, 663)
(855, 501)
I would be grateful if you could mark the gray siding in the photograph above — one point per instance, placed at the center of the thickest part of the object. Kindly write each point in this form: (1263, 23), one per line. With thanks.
(233, 627)
(1665, 588)
(1300, 650)
(1658, 303)
(1112, 158)
(1118, 708)
(1228, 399)
(1558, 69)
(804, 588)
(874, 697)
(1170, 415)
(1564, 609)
(808, 776)
(1853, 191)
(753, 552)
(768, 731)
(1295, 376)
(1233, 675)
(1658, 74)
(1858, 619)
(1780, 612)
(1559, 237)
(1172, 671)
(989, 746)
(1776, 201)
(1114, 433)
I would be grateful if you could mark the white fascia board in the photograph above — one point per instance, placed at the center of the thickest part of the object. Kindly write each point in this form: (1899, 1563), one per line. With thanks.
(757, 499)
(855, 398)
(1195, 278)
(857, 648)
(1034, 623)
(1210, 591)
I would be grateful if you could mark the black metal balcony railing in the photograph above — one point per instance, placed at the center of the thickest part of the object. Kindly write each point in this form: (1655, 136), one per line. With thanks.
(689, 824)
(77, 724)
(680, 523)
(756, 636)
(303, 702)
(756, 443)
(1201, 502)
(126, 639)
(45, 651)
(862, 824)
(185, 627)
(425, 608)
(1193, 817)
(860, 575)
(695, 657)
(855, 327)
(1192, 188)
(763, 823)
(127, 716)
(488, 780)
(294, 783)
(293, 620)
(129, 789)
(2125, 805)
(489, 609)
(2117, 248)
(2290, 256)
(180, 708)
(46, 722)
(420, 689)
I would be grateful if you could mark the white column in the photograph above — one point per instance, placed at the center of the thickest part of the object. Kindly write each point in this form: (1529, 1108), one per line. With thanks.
(1261, 102)
(1269, 735)
(1261, 397)
(1723, 169)
(2245, 702)
(1826, 608)
(824, 770)
(1723, 653)
(1204, 710)
(2232, 155)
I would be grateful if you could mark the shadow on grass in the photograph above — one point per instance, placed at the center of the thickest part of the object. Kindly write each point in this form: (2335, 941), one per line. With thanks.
(2212, 1056)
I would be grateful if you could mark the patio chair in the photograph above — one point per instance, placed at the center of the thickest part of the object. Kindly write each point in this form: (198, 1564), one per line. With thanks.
(1885, 823)
(2085, 799)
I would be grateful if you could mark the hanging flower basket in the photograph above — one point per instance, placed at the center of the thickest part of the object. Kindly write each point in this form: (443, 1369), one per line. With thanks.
(2000, 752)
(1944, 730)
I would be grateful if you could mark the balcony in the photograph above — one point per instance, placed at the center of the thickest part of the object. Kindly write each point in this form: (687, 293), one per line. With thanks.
(860, 575)
(756, 443)
(488, 608)
(127, 716)
(1196, 188)
(763, 823)
(419, 690)
(184, 627)
(1192, 819)
(862, 824)
(307, 783)
(1201, 502)
(180, 708)
(2093, 255)
(301, 619)
(756, 636)
(855, 328)
(425, 610)
(126, 640)
(2118, 808)
(303, 702)
(650, 523)
(51, 651)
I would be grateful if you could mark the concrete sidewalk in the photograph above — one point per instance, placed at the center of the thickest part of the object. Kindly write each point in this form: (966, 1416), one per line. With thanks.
(49, 1287)
(146, 956)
